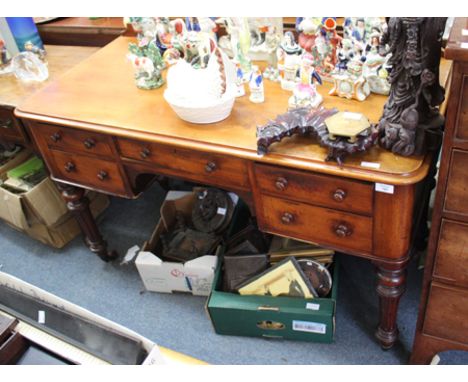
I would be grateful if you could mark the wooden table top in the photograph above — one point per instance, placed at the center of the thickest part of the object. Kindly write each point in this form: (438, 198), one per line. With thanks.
(99, 95)
(59, 58)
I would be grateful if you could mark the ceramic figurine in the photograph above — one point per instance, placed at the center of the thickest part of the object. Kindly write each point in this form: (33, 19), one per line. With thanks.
(164, 34)
(318, 36)
(146, 75)
(5, 58)
(238, 42)
(308, 28)
(272, 40)
(240, 81)
(344, 55)
(147, 63)
(30, 47)
(362, 32)
(145, 27)
(257, 94)
(351, 84)
(289, 59)
(305, 94)
(375, 72)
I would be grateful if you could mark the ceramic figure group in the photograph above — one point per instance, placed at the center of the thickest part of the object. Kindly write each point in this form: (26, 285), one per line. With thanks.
(361, 67)
(318, 36)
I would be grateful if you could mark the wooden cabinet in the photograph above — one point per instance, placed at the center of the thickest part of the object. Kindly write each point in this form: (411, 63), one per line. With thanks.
(443, 314)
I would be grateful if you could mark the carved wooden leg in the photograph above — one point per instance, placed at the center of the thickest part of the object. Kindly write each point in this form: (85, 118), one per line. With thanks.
(78, 204)
(390, 287)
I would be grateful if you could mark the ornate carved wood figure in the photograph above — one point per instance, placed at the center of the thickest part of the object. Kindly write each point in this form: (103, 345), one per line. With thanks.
(415, 94)
(309, 121)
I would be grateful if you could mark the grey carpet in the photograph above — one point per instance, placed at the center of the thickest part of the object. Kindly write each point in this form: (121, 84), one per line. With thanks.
(179, 321)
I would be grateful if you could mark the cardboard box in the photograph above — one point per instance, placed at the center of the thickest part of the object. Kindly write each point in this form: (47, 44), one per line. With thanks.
(273, 317)
(16, 160)
(41, 212)
(61, 234)
(43, 203)
(195, 276)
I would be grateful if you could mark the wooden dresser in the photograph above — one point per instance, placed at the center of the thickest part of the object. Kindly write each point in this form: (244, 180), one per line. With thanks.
(443, 315)
(96, 130)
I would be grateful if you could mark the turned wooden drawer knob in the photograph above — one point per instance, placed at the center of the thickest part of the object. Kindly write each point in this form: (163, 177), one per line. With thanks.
(210, 167)
(287, 218)
(56, 137)
(102, 175)
(89, 143)
(339, 195)
(281, 184)
(8, 124)
(343, 230)
(70, 166)
(145, 153)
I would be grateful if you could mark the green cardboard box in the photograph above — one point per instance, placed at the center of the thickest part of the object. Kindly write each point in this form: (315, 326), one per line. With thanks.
(273, 317)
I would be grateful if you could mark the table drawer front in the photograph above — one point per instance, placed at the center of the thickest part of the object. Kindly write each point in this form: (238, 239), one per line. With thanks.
(322, 225)
(188, 164)
(328, 191)
(452, 254)
(447, 313)
(456, 198)
(9, 126)
(98, 174)
(75, 140)
(461, 131)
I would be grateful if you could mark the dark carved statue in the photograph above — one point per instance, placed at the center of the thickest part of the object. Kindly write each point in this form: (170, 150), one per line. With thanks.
(415, 95)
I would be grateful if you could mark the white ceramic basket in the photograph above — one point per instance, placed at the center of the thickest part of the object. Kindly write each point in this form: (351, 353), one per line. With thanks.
(202, 114)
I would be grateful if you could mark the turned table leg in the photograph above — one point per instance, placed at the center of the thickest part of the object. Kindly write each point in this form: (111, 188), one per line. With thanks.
(391, 281)
(78, 204)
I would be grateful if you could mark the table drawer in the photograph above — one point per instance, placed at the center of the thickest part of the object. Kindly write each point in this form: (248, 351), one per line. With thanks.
(451, 263)
(456, 197)
(87, 171)
(188, 164)
(322, 225)
(446, 313)
(9, 126)
(63, 138)
(328, 191)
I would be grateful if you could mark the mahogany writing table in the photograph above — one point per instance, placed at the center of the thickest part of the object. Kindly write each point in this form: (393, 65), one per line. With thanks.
(96, 130)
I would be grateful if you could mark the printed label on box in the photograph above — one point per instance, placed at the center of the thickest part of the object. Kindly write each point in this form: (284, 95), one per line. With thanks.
(312, 306)
(310, 327)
